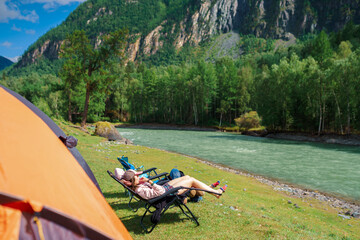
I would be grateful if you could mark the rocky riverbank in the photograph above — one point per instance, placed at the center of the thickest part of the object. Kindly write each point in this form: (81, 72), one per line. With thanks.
(350, 139)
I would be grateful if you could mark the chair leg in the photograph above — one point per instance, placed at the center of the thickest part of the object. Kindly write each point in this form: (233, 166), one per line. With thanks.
(137, 201)
(151, 227)
(147, 207)
(189, 214)
(175, 201)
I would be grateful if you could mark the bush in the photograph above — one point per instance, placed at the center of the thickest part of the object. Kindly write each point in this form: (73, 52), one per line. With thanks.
(248, 120)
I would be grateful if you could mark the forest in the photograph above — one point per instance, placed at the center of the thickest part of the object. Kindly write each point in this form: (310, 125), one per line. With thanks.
(311, 86)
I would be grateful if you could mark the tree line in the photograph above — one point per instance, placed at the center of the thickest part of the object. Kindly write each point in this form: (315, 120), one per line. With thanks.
(311, 86)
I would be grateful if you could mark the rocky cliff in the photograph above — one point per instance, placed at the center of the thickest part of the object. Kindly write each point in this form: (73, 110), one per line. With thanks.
(49, 49)
(263, 18)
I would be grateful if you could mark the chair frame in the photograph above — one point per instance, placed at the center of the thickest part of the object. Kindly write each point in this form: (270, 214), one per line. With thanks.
(174, 200)
(125, 164)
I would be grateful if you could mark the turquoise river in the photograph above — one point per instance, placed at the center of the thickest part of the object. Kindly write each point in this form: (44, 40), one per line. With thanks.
(328, 168)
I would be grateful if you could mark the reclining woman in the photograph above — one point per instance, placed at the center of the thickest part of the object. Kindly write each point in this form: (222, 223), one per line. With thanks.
(147, 189)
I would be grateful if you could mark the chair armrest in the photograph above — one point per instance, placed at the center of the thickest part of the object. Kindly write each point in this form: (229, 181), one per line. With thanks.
(149, 170)
(167, 193)
(159, 175)
(162, 181)
(140, 168)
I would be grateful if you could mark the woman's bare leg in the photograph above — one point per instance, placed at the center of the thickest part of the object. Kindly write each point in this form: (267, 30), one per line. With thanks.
(200, 193)
(174, 181)
(188, 181)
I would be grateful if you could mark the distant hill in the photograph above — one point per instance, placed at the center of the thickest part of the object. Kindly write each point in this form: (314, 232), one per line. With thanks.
(4, 62)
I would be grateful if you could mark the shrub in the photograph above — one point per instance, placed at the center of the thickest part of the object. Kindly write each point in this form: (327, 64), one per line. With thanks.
(248, 120)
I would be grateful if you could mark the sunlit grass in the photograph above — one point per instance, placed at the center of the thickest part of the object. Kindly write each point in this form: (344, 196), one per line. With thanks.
(248, 209)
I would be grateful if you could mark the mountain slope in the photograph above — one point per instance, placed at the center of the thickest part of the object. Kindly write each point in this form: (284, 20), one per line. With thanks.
(159, 24)
(4, 62)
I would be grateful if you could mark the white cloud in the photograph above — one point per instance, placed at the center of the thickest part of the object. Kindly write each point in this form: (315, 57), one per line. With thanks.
(14, 28)
(7, 13)
(52, 4)
(30, 31)
(6, 44)
(9, 10)
(30, 16)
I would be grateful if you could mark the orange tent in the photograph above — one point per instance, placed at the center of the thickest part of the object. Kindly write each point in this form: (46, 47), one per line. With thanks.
(47, 191)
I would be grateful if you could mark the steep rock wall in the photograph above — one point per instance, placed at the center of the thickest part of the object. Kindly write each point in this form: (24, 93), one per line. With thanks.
(49, 50)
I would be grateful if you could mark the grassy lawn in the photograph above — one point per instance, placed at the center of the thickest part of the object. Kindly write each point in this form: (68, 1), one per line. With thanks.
(247, 210)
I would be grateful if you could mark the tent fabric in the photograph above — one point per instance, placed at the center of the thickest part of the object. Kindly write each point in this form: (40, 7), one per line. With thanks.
(40, 176)
(55, 128)
(9, 218)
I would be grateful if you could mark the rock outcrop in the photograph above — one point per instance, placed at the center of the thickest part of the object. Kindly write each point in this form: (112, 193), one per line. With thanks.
(152, 41)
(49, 49)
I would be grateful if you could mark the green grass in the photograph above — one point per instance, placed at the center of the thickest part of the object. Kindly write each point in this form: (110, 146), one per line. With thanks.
(257, 213)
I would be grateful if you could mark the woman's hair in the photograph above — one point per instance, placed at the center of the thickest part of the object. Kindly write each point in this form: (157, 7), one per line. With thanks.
(132, 180)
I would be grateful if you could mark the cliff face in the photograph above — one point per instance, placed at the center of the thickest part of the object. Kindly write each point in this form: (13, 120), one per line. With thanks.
(49, 49)
(263, 18)
(273, 18)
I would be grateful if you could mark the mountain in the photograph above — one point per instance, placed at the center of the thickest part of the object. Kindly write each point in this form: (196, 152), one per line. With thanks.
(171, 25)
(4, 62)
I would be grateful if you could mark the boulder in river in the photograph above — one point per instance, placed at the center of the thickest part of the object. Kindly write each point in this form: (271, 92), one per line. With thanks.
(107, 130)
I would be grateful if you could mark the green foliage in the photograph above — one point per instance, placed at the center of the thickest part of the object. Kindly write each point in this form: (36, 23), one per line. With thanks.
(251, 44)
(41, 66)
(97, 107)
(248, 120)
(42, 90)
(350, 32)
(321, 48)
(90, 65)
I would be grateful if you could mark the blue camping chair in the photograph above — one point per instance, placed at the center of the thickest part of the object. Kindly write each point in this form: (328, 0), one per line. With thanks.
(127, 166)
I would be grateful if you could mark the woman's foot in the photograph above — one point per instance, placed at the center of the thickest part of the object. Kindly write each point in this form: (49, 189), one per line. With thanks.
(214, 185)
(222, 189)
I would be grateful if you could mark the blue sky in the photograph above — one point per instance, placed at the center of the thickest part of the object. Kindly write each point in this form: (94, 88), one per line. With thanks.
(22, 22)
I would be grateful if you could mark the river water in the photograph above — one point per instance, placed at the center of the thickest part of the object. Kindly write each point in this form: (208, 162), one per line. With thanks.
(328, 168)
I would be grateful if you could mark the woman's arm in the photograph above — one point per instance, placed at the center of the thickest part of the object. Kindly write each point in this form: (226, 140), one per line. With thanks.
(148, 191)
